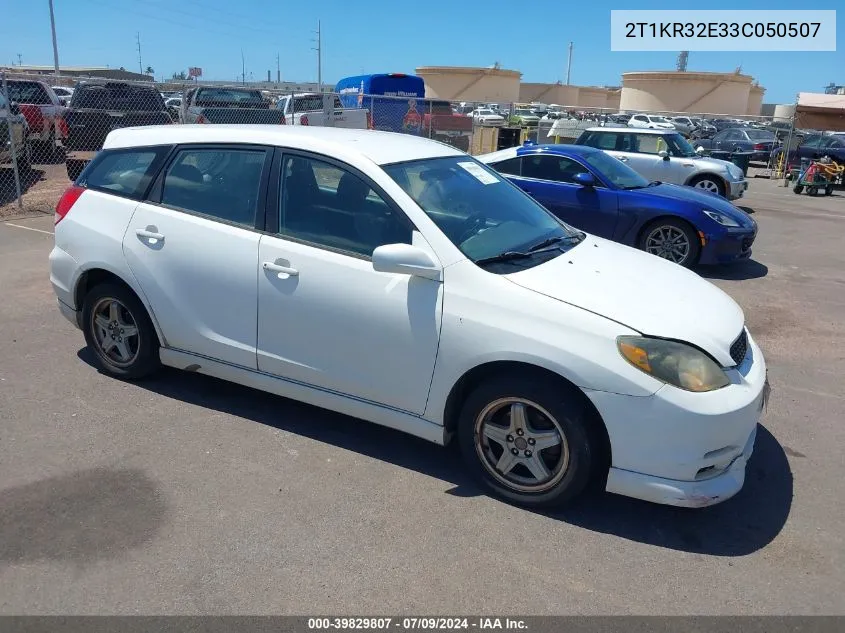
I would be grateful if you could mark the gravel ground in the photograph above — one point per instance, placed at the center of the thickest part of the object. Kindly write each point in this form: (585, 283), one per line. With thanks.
(188, 495)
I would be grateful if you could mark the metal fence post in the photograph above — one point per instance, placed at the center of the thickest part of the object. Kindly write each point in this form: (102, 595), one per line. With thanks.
(12, 148)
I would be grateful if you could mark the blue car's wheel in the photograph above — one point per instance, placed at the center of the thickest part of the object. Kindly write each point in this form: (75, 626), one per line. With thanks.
(671, 239)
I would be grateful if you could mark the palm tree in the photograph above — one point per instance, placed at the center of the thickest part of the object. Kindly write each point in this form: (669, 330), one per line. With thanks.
(149, 71)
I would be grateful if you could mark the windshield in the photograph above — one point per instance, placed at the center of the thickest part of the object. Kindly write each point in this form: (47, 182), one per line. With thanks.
(208, 96)
(678, 146)
(121, 97)
(482, 213)
(615, 171)
(485, 112)
(659, 119)
(524, 113)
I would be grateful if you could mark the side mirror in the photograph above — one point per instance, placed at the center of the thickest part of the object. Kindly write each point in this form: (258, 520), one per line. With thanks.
(663, 154)
(405, 259)
(585, 179)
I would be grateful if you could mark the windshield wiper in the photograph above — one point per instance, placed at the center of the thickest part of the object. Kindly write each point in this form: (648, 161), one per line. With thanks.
(554, 240)
(507, 256)
(654, 183)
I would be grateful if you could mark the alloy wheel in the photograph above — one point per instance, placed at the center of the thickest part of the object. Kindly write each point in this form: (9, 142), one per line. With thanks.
(115, 332)
(668, 242)
(708, 185)
(521, 445)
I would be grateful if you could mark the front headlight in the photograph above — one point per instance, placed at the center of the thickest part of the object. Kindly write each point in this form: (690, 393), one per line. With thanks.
(671, 362)
(735, 172)
(720, 218)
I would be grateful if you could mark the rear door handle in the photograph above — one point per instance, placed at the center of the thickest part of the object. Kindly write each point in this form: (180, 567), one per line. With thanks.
(282, 270)
(149, 235)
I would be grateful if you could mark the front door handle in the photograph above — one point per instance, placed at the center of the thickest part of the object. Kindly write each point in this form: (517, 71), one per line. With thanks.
(624, 159)
(282, 270)
(149, 235)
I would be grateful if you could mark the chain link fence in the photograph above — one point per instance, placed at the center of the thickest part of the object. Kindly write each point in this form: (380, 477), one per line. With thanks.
(51, 126)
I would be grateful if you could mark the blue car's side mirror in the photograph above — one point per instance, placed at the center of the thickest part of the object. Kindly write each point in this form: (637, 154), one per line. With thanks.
(585, 179)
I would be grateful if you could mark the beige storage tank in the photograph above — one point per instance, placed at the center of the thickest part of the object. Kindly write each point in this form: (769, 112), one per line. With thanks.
(693, 92)
(755, 99)
(559, 94)
(458, 83)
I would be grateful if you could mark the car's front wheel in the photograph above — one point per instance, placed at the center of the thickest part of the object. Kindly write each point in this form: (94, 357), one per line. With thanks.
(119, 332)
(527, 440)
(709, 183)
(671, 239)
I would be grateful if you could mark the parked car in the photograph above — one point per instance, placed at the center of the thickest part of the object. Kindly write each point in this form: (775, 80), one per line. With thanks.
(554, 357)
(173, 105)
(759, 142)
(815, 146)
(702, 129)
(440, 123)
(43, 112)
(311, 109)
(650, 122)
(98, 108)
(213, 105)
(683, 124)
(722, 124)
(63, 93)
(14, 136)
(485, 116)
(599, 194)
(667, 156)
(524, 117)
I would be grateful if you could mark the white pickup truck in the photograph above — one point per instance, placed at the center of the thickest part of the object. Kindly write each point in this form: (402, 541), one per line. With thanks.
(321, 109)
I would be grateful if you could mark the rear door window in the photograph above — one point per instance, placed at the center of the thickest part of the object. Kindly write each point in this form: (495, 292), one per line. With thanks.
(126, 173)
(223, 183)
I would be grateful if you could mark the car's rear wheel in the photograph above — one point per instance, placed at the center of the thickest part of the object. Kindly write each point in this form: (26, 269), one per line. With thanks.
(709, 183)
(671, 239)
(527, 440)
(119, 332)
(798, 188)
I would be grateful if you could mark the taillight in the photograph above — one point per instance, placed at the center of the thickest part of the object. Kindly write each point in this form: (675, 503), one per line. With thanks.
(201, 119)
(759, 147)
(369, 120)
(303, 120)
(63, 129)
(68, 199)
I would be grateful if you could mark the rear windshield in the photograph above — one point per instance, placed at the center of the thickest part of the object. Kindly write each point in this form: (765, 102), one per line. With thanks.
(312, 103)
(121, 97)
(226, 96)
(760, 135)
(28, 92)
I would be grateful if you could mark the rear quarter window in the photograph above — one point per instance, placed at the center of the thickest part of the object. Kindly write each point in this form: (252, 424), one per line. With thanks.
(125, 172)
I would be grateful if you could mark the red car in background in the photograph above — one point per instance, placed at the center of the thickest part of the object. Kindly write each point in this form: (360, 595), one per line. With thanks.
(43, 112)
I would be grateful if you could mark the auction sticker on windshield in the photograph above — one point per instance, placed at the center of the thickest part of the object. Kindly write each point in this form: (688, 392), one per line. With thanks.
(481, 175)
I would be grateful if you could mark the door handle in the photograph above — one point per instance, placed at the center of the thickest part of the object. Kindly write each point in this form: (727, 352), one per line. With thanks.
(282, 270)
(624, 159)
(149, 235)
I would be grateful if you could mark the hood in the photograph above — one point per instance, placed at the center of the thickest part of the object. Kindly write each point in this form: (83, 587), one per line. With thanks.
(698, 198)
(643, 292)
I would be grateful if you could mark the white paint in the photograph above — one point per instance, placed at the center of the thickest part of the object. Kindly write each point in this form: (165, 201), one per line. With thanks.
(28, 228)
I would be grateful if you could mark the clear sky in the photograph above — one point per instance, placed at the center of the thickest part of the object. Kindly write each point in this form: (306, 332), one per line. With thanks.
(384, 36)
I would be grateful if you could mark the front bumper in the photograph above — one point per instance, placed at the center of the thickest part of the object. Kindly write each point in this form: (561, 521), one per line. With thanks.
(737, 189)
(682, 448)
(728, 247)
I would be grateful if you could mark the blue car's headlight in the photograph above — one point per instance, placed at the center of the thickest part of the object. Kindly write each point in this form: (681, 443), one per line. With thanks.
(720, 218)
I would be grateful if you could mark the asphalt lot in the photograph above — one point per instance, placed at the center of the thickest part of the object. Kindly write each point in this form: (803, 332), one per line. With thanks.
(188, 495)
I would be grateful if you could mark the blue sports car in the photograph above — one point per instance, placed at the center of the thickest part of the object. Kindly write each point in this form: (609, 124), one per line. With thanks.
(595, 192)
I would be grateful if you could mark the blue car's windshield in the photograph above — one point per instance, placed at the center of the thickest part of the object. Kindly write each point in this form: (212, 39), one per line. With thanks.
(482, 213)
(614, 170)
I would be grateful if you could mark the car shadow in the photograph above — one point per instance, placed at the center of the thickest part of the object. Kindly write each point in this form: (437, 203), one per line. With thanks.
(746, 269)
(8, 190)
(748, 210)
(737, 527)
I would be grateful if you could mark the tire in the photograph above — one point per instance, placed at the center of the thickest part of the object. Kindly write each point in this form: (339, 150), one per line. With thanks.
(552, 415)
(812, 191)
(709, 183)
(663, 239)
(24, 159)
(798, 188)
(828, 191)
(141, 357)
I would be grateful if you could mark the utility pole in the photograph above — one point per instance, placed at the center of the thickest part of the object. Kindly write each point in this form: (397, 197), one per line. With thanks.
(243, 68)
(20, 63)
(138, 44)
(319, 50)
(55, 45)
(569, 64)
(278, 70)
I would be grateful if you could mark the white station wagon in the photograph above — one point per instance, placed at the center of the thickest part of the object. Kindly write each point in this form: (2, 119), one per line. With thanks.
(398, 280)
